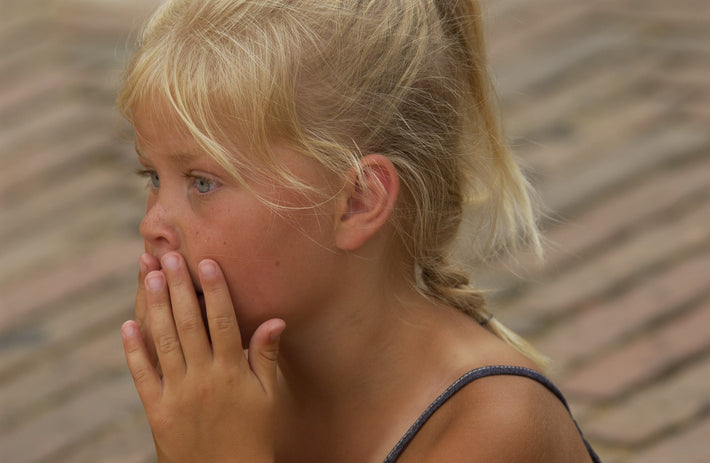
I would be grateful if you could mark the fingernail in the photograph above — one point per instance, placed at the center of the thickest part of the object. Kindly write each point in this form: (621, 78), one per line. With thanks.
(155, 281)
(129, 329)
(170, 262)
(208, 269)
(276, 335)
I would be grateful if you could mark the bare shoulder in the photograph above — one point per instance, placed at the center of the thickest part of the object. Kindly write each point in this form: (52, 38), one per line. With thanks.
(501, 418)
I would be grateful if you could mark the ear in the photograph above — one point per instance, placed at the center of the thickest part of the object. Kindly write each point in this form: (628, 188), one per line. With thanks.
(367, 201)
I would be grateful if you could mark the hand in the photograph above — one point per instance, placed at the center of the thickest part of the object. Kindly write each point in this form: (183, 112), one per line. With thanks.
(214, 402)
(148, 263)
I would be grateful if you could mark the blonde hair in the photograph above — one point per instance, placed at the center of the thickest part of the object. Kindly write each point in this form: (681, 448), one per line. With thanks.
(334, 80)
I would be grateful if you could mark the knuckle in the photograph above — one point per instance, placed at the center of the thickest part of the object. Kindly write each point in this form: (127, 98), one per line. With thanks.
(140, 376)
(167, 344)
(189, 323)
(222, 323)
(271, 355)
(139, 309)
(133, 349)
(179, 283)
(159, 306)
(216, 290)
(143, 323)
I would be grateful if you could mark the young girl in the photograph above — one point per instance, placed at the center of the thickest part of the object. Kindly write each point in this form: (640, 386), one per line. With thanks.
(308, 164)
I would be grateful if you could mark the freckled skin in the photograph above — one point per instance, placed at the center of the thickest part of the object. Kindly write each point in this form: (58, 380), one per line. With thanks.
(275, 263)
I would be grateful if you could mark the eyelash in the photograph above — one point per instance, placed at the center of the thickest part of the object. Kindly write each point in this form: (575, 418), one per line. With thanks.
(154, 180)
(199, 178)
(149, 174)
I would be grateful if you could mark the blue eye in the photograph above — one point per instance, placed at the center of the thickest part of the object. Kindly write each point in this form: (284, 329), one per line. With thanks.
(152, 177)
(154, 180)
(204, 185)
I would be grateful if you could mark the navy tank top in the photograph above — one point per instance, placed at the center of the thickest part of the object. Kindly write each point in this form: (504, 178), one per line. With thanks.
(468, 378)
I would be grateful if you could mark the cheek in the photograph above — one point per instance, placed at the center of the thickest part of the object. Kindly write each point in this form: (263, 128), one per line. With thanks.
(272, 267)
(243, 248)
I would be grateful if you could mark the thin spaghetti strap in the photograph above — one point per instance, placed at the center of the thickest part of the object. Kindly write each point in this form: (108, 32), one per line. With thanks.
(468, 378)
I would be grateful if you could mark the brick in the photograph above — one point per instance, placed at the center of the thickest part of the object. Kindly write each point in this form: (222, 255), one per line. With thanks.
(26, 91)
(684, 13)
(624, 315)
(540, 116)
(689, 75)
(511, 23)
(553, 60)
(626, 158)
(599, 274)
(627, 210)
(26, 153)
(128, 441)
(21, 28)
(56, 201)
(76, 275)
(72, 320)
(618, 372)
(657, 410)
(92, 16)
(621, 114)
(71, 422)
(687, 445)
(586, 232)
(29, 253)
(25, 395)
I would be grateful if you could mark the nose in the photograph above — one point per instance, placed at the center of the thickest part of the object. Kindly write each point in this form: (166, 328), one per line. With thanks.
(159, 229)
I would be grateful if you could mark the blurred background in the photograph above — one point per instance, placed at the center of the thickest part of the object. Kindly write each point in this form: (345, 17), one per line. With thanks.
(606, 102)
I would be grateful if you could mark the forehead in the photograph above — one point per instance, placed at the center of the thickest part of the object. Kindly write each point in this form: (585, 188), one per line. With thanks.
(157, 128)
(160, 131)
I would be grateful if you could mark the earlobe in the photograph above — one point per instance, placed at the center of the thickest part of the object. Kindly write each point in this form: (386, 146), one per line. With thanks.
(367, 202)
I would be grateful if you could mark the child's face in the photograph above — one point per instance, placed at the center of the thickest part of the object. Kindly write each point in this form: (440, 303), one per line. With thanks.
(277, 263)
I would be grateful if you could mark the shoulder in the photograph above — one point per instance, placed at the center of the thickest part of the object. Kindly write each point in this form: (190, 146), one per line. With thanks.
(500, 419)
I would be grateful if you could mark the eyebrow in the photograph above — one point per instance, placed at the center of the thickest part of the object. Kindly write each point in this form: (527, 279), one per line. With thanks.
(138, 152)
(178, 158)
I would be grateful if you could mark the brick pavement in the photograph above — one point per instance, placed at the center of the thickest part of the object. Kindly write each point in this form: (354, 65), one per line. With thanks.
(608, 103)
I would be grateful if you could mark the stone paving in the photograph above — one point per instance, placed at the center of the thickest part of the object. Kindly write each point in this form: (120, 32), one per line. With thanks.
(606, 102)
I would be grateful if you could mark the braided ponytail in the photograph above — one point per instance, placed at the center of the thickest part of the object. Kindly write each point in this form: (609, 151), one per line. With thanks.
(502, 193)
(444, 282)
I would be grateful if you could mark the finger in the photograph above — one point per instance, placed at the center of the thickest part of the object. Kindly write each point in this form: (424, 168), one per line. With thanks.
(148, 263)
(145, 376)
(221, 319)
(186, 310)
(264, 352)
(162, 327)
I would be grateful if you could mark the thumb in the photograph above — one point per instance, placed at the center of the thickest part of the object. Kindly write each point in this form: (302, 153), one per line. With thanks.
(264, 352)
